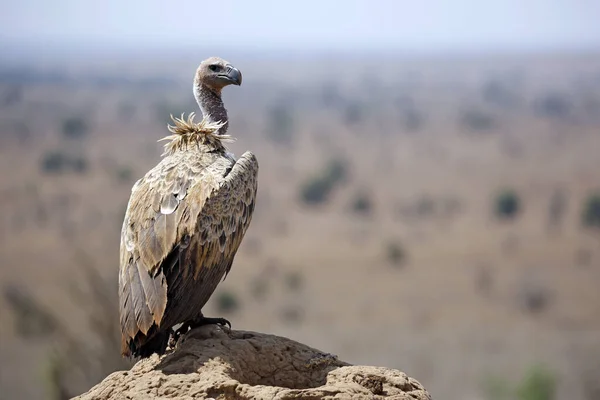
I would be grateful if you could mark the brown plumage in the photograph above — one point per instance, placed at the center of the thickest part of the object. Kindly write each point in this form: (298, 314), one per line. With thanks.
(184, 221)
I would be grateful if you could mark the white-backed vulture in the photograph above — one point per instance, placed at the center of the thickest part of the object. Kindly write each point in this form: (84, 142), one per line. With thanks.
(184, 221)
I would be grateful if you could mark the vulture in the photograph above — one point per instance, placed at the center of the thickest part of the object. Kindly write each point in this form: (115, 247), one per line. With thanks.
(184, 222)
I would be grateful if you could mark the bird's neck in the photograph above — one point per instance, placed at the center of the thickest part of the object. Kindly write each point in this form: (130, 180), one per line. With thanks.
(211, 105)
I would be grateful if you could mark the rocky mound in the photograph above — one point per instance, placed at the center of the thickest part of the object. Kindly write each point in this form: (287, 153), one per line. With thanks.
(211, 362)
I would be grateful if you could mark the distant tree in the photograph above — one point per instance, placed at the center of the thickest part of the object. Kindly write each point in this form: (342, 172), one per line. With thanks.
(74, 128)
(318, 188)
(555, 105)
(395, 253)
(534, 297)
(425, 206)
(57, 162)
(54, 162)
(294, 280)
(337, 171)
(591, 211)
(79, 164)
(362, 203)
(124, 174)
(499, 94)
(227, 302)
(507, 204)
(477, 120)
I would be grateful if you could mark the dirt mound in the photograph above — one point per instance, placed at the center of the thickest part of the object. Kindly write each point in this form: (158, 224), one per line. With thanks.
(210, 362)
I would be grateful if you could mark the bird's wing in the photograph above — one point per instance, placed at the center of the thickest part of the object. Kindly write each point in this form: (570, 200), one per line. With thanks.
(170, 207)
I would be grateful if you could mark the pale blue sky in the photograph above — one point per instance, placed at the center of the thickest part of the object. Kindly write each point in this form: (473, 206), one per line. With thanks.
(421, 25)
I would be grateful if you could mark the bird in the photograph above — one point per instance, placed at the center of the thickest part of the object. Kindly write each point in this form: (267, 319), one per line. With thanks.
(184, 222)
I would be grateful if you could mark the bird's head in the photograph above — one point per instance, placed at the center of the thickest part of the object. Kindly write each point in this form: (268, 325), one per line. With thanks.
(217, 73)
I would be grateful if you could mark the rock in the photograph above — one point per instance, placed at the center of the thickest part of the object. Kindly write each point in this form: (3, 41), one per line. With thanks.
(212, 362)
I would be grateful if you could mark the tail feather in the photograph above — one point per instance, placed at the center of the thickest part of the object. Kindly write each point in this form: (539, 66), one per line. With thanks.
(144, 346)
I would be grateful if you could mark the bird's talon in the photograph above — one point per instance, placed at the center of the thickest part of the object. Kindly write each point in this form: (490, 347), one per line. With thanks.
(210, 321)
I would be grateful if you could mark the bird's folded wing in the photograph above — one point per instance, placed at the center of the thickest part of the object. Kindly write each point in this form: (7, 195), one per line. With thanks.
(168, 208)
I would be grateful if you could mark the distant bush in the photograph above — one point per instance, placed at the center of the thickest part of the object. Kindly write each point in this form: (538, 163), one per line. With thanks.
(227, 302)
(337, 171)
(79, 164)
(124, 174)
(507, 204)
(477, 120)
(534, 297)
(56, 162)
(362, 203)
(499, 94)
(451, 206)
(425, 206)
(74, 128)
(317, 189)
(294, 280)
(538, 384)
(395, 253)
(591, 211)
(555, 105)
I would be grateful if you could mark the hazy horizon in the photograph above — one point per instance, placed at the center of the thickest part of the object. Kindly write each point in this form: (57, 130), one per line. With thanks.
(433, 26)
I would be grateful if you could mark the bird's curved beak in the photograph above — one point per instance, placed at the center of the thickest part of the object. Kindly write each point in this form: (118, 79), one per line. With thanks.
(233, 75)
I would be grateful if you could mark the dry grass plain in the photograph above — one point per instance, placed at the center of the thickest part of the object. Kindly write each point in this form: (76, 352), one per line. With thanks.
(403, 264)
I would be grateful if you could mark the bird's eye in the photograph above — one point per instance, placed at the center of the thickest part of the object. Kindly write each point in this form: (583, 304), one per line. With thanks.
(213, 67)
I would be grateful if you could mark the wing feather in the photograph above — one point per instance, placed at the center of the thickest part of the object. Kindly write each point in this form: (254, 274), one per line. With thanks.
(156, 297)
(127, 315)
(143, 317)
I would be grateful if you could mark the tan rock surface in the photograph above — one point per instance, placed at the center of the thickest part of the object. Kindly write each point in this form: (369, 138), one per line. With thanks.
(210, 362)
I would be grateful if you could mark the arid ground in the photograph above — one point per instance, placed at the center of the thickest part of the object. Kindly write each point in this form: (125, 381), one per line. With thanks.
(434, 214)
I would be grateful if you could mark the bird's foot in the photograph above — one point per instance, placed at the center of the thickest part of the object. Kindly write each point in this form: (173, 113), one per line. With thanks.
(202, 320)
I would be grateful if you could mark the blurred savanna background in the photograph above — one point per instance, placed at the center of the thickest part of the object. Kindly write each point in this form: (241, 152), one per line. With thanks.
(429, 186)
